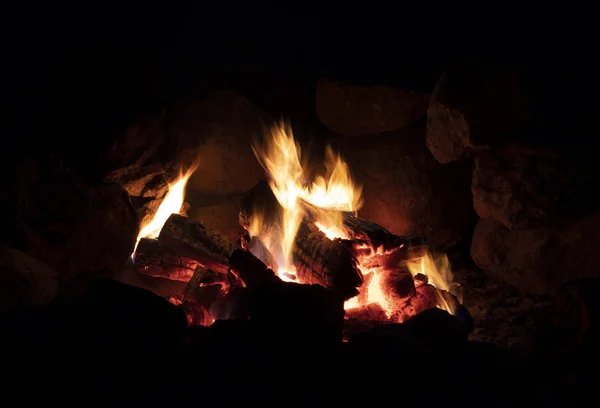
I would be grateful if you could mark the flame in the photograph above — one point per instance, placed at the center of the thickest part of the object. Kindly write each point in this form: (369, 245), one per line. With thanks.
(280, 157)
(171, 204)
(325, 199)
(438, 271)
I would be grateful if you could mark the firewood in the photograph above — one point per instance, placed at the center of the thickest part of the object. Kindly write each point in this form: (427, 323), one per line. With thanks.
(155, 259)
(376, 235)
(190, 238)
(258, 249)
(329, 263)
(205, 286)
(250, 270)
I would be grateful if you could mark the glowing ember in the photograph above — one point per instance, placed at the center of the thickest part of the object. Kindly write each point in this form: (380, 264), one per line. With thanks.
(171, 204)
(325, 200)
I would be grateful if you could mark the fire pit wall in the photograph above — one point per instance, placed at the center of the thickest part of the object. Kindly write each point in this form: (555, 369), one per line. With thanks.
(474, 167)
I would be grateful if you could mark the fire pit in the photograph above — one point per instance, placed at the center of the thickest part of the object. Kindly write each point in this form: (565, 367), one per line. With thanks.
(300, 232)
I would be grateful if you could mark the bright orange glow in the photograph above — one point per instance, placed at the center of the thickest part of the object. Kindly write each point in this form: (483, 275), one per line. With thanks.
(171, 204)
(325, 200)
(280, 156)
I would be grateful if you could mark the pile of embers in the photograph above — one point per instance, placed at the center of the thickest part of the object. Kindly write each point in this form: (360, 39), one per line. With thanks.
(222, 275)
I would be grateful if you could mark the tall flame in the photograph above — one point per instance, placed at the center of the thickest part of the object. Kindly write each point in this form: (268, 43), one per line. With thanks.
(171, 204)
(327, 197)
(280, 156)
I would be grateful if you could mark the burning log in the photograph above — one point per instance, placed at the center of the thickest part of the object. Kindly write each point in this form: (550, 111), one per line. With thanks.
(155, 259)
(328, 263)
(215, 295)
(250, 270)
(205, 293)
(192, 239)
(258, 249)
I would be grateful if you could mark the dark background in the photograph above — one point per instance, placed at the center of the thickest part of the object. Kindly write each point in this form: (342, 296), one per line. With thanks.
(73, 75)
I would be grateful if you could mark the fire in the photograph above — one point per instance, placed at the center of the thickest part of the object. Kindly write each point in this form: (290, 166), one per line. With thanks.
(280, 156)
(171, 204)
(325, 200)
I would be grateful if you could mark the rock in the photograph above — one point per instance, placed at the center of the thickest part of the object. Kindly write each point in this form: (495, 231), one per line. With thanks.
(102, 242)
(527, 304)
(518, 186)
(222, 127)
(501, 313)
(579, 308)
(62, 222)
(214, 133)
(477, 311)
(474, 106)
(406, 190)
(539, 260)
(24, 281)
(353, 110)
(222, 218)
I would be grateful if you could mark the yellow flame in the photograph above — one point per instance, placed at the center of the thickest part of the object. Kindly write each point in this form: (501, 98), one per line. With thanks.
(326, 198)
(439, 274)
(171, 204)
(280, 157)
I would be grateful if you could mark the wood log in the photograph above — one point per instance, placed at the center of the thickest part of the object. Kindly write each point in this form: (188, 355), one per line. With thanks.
(190, 238)
(205, 286)
(328, 263)
(376, 235)
(258, 249)
(155, 259)
(250, 270)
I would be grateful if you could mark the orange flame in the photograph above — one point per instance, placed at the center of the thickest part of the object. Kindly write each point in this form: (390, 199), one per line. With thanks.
(171, 204)
(280, 157)
(327, 198)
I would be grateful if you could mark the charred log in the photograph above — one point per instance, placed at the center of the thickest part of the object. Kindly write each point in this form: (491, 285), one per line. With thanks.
(258, 249)
(329, 263)
(250, 270)
(155, 259)
(205, 293)
(192, 239)
(376, 235)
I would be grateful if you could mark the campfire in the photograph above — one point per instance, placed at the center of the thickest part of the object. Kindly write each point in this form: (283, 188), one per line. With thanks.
(298, 232)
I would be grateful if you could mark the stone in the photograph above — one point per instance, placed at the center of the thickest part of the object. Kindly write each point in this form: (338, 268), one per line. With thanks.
(212, 135)
(518, 186)
(501, 313)
(222, 217)
(527, 303)
(102, 242)
(353, 110)
(477, 311)
(406, 190)
(59, 220)
(24, 281)
(474, 105)
(538, 261)
(222, 127)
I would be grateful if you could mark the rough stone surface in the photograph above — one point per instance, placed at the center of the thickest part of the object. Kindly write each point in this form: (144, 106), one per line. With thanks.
(222, 217)
(406, 190)
(353, 110)
(519, 187)
(474, 106)
(538, 260)
(73, 228)
(223, 126)
(508, 318)
(214, 133)
(24, 281)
